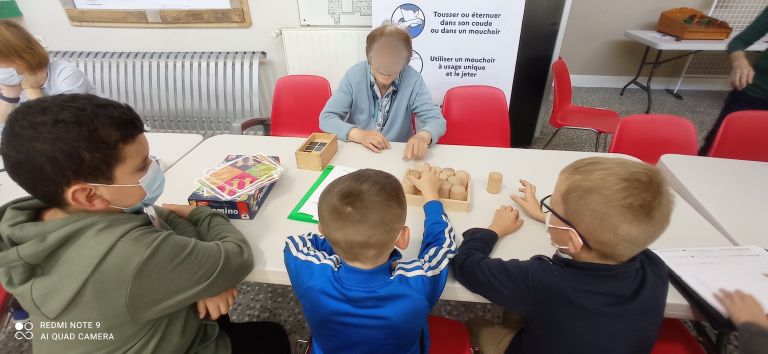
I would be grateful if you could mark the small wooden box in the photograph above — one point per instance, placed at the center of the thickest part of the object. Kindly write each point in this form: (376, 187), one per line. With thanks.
(688, 23)
(448, 204)
(317, 151)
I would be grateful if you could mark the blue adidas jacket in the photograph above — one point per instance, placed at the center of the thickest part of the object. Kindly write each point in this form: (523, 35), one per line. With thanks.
(380, 310)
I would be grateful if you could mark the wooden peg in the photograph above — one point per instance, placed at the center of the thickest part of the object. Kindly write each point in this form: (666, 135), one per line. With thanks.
(445, 190)
(458, 193)
(494, 182)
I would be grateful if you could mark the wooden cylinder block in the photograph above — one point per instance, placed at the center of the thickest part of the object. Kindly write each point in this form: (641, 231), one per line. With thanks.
(494, 182)
(458, 193)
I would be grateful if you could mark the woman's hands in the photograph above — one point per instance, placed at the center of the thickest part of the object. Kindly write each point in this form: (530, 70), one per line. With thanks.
(371, 139)
(417, 146)
(742, 73)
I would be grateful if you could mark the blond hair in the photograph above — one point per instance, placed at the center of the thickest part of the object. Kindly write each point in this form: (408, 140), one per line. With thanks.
(619, 206)
(18, 46)
(361, 214)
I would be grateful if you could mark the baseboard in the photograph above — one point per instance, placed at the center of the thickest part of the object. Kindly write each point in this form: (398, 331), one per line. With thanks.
(689, 83)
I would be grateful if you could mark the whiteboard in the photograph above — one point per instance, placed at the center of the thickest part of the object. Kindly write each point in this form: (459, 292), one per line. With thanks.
(335, 12)
(151, 4)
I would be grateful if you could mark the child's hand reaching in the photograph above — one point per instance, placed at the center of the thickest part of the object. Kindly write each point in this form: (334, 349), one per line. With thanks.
(742, 307)
(427, 184)
(506, 221)
(181, 210)
(529, 203)
(218, 305)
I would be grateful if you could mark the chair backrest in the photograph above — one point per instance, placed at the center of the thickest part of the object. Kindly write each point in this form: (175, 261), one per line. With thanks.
(648, 136)
(190, 92)
(476, 116)
(448, 336)
(297, 104)
(675, 338)
(563, 94)
(743, 136)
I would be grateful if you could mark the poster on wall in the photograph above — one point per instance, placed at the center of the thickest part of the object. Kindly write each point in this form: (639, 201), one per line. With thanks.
(9, 9)
(457, 43)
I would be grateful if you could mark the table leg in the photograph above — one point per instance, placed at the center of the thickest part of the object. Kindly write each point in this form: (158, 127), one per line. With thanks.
(639, 70)
(650, 77)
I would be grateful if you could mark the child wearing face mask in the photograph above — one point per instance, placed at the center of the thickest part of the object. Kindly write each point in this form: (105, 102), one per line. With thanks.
(602, 291)
(88, 247)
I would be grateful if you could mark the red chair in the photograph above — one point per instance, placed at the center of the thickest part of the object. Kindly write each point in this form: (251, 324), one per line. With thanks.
(296, 106)
(648, 136)
(448, 336)
(5, 307)
(674, 338)
(566, 115)
(476, 116)
(742, 136)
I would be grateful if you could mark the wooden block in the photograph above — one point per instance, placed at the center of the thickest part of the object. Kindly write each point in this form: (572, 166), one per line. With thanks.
(449, 171)
(444, 176)
(414, 173)
(458, 193)
(494, 182)
(455, 180)
(408, 186)
(313, 160)
(463, 175)
(445, 190)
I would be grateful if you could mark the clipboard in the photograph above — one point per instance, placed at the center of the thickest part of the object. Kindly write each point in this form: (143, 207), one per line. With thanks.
(295, 214)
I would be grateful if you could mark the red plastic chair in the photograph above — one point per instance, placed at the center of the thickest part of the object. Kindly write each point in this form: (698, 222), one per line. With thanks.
(674, 338)
(648, 136)
(448, 336)
(296, 106)
(476, 116)
(566, 115)
(5, 307)
(742, 137)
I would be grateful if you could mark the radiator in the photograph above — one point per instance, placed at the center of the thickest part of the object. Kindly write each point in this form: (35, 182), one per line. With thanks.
(198, 92)
(326, 52)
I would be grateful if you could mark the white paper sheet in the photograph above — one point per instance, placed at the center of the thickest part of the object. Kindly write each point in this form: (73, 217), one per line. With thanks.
(310, 206)
(152, 4)
(707, 270)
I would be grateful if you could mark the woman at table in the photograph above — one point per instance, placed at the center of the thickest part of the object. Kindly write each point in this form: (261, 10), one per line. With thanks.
(26, 73)
(378, 98)
(750, 84)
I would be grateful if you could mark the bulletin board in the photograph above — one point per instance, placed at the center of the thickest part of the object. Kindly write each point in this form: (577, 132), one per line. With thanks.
(158, 13)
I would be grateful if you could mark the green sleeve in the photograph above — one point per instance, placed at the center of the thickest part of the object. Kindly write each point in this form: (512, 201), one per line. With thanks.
(178, 224)
(756, 30)
(176, 270)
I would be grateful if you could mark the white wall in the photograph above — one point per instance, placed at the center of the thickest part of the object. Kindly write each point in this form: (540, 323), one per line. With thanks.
(46, 18)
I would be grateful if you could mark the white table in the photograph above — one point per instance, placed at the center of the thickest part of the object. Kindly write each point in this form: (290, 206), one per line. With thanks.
(167, 147)
(662, 42)
(268, 230)
(731, 194)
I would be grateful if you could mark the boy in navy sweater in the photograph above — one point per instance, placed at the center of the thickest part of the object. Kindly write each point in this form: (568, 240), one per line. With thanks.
(603, 291)
(357, 294)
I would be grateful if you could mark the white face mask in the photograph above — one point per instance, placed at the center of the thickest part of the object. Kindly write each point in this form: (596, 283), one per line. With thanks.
(548, 225)
(9, 77)
(153, 184)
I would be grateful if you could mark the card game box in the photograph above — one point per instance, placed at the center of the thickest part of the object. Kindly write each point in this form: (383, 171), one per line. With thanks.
(239, 186)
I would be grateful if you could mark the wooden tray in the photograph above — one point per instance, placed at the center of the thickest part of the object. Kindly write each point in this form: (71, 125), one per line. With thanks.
(688, 23)
(317, 159)
(448, 204)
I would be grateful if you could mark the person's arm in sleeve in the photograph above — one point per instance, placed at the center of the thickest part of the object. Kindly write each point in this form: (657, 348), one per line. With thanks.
(505, 283)
(71, 80)
(756, 30)
(177, 223)
(336, 110)
(178, 270)
(306, 257)
(438, 246)
(753, 338)
(428, 115)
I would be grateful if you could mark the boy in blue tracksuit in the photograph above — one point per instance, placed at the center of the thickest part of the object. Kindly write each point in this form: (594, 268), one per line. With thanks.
(357, 294)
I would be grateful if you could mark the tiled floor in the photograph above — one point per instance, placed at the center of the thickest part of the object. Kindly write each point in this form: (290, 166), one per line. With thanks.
(277, 303)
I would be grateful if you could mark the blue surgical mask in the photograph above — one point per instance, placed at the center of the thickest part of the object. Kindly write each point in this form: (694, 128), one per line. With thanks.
(153, 184)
